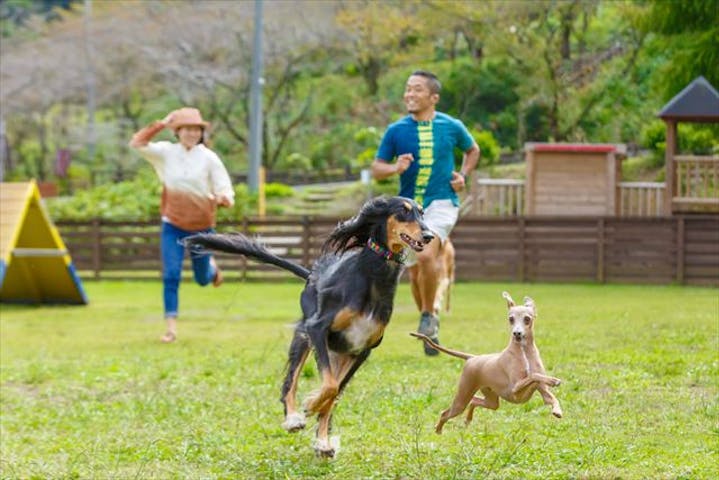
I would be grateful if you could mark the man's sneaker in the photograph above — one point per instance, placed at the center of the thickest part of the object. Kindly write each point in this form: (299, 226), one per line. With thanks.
(429, 325)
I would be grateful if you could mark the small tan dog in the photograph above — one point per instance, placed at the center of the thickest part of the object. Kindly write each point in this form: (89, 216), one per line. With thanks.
(512, 374)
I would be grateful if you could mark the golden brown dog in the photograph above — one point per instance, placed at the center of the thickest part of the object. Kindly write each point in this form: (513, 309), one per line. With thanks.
(446, 277)
(513, 374)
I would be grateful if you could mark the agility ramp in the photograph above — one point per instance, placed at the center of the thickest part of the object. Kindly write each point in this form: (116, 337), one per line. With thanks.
(35, 266)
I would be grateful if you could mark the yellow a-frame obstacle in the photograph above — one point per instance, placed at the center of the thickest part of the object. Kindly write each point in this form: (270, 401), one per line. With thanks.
(35, 266)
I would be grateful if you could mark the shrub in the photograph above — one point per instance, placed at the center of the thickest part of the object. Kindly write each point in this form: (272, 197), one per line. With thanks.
(488, 145)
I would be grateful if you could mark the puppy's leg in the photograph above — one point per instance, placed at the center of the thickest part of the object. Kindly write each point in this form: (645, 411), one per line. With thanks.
(550, 399)
(536, 378)
(490, 401)
(299, 350)
(465, 393)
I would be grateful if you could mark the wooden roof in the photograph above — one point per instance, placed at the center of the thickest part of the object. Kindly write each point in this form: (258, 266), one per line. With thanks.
(698, 102)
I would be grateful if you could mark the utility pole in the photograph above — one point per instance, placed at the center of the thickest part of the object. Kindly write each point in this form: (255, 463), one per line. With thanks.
(256, 103)
(90, 79)
(4, 162)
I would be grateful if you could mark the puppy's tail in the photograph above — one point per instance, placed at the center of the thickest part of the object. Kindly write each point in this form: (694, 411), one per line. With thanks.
(239, 244)
(429, 342)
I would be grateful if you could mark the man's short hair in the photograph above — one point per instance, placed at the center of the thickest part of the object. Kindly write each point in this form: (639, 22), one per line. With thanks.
(432, 81)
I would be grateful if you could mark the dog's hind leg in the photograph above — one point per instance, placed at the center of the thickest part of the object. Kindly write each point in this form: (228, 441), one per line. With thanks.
(490, 401)
(465, 393)
(299, 350)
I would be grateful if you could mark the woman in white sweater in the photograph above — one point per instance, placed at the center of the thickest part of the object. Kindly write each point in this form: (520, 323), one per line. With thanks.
(194, 184)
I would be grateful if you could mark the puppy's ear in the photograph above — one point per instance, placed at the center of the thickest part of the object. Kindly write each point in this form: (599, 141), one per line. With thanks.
(529, 303)
(508, 298)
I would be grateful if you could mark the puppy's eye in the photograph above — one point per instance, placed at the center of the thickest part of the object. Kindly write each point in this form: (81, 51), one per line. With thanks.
(527, 320)
(511, 320)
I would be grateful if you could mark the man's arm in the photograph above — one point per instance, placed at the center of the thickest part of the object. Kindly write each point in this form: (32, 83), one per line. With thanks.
(470, 160)
(381, 170)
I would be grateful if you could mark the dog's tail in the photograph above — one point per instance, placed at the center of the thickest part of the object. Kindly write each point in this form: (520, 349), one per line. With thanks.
(429, 342)
(239, 244)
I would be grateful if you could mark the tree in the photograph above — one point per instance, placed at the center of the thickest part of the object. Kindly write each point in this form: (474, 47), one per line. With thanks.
(689, 32)
(379, 33)
(570, 57)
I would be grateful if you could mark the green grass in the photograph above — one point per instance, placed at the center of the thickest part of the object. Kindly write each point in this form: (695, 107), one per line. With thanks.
(89, 392)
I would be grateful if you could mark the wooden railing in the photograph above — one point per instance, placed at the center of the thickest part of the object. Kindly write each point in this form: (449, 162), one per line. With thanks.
(697, 183)
(495, 197)
(492, 197)
(641, 199)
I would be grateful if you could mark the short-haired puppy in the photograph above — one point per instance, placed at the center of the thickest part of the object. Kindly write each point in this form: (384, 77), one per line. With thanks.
(513, 374)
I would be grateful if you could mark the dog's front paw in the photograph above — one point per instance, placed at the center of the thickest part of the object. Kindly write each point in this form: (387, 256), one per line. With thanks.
(294, 422)
(327, 448)
(555, 382)
(557, 412)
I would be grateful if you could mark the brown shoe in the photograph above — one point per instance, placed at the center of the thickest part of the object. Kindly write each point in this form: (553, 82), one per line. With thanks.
(218, 279)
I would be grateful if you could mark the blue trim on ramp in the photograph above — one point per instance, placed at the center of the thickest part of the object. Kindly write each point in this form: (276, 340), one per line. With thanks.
(78, 283)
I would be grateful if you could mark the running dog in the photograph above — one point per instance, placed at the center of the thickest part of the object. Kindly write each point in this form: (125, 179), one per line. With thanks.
(513, 374)
(346, 303)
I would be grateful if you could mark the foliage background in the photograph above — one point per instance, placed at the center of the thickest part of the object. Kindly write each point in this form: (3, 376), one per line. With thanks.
(513, 71)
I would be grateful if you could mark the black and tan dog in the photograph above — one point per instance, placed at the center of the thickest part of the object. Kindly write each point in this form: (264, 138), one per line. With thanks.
(347, 300)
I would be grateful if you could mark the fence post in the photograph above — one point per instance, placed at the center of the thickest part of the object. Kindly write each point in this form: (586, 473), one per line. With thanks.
(306, 240)
(246, 232)
(96, 248)
(680, 249)
(522, 250)
(600, 250)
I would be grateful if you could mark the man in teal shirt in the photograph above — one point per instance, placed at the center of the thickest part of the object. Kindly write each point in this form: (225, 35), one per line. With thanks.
(420, 149)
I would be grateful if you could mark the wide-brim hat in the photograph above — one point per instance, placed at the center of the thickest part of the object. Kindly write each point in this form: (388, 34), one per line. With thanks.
(187, 116)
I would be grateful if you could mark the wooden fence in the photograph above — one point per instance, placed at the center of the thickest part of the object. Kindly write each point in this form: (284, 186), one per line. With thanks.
(680, 249)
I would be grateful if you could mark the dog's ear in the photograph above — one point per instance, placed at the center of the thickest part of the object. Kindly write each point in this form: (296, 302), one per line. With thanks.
(529, 303)
(508, 298)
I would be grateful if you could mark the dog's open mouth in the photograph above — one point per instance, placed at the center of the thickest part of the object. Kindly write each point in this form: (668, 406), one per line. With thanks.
(413, 244)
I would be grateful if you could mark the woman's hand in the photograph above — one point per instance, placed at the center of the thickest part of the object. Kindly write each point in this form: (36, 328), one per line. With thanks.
(168, 119)
(223, 200)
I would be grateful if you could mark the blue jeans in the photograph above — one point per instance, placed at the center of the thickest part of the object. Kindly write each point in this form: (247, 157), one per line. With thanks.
(173, 253)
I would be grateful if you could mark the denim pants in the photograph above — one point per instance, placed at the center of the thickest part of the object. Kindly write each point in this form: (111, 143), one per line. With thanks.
(173, 253)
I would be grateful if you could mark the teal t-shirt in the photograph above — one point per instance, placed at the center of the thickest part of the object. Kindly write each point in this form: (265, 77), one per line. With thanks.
(432, 145)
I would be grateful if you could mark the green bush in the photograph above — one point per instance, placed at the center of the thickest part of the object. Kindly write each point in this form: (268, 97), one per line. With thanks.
(278, 190)
(693, 138)
(488, 146)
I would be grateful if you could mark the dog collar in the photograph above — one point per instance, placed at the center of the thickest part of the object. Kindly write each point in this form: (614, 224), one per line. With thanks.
(384, 252)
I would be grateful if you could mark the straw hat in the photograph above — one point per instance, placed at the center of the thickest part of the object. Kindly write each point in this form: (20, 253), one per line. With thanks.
(187, 116)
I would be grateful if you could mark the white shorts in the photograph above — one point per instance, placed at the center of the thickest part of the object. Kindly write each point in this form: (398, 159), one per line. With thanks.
(441, 217)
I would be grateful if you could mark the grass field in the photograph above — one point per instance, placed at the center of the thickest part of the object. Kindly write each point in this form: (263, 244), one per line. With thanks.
(89, 392)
